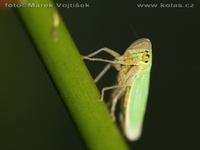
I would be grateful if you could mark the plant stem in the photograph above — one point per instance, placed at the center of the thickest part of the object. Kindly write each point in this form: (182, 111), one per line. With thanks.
(71, 78)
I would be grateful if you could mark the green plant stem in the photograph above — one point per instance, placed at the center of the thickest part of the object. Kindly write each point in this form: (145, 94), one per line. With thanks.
(71, 78)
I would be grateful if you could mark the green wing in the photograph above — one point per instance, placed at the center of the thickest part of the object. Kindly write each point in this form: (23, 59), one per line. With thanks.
(134, 104)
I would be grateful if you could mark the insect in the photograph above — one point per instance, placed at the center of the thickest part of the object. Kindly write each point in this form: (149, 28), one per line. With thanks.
(132, 84)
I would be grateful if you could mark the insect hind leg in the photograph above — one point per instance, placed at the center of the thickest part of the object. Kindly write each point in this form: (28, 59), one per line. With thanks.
(108, 88)
(114, 98)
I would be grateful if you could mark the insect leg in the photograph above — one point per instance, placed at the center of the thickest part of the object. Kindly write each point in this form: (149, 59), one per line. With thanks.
(115, 97)
(114, 101)
(109, 51)
(102, 73)
(108, 88)
(105, 49)
(99, 59)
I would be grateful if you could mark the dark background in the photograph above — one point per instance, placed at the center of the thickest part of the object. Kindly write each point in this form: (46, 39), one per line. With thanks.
(32, 115)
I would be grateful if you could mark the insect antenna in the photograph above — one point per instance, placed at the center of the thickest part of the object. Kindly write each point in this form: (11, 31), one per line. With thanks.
(134, 31)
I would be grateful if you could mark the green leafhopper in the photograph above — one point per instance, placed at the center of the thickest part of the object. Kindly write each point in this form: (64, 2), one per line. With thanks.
(132, 84)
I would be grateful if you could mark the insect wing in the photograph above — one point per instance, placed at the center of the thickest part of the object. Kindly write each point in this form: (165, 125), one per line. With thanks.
(134, 105)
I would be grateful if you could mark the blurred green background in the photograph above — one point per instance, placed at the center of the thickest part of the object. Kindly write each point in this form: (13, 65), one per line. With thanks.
(32, 115)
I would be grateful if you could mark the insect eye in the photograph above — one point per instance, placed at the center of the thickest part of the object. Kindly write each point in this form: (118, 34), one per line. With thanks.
(146, 56)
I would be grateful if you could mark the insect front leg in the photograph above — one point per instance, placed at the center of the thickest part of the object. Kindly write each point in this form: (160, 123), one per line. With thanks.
(105, 49)
(109, 51)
